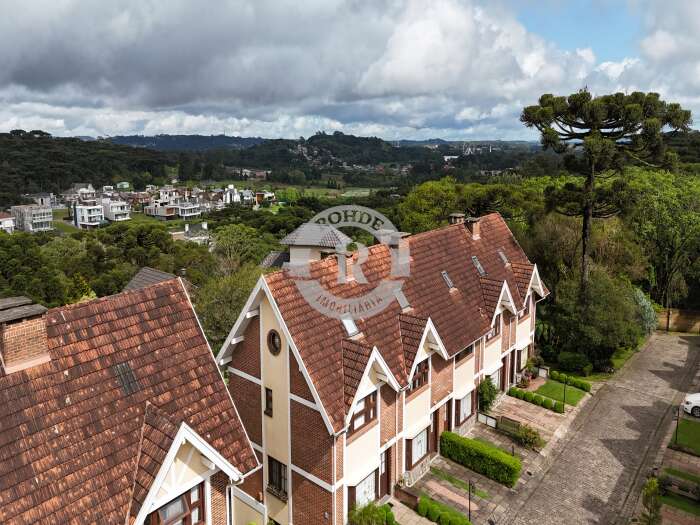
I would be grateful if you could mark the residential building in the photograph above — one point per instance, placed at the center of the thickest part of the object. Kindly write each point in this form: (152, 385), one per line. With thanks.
(116, 210)
(197, 233)
(114, 412)
(341, 410)
(32, 218)
(186, 209)
(87, 214)
(44, 199)
(264, 196)
(7, 222)
(79, 191)
(231, 195)
(123, 186)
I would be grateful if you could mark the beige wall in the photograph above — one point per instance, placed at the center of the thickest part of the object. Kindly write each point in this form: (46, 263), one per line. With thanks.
(275, 375)
(244, 514)
(417, 412)
(362, 456)
(185, 468)
(464, 377)
(522, 333)
(492, 354)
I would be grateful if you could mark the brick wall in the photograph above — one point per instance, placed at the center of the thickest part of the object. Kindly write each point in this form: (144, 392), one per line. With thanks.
(24, 341)
(253, 484)
(246, 395)
(441, 378)
(339, 444)
(218, 498)
(246, 355)
(310, 503)
(297, 382)
(312, 445)
(339, 514)
(388, 413)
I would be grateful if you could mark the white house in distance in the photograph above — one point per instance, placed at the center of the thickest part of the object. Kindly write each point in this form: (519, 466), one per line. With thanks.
(116, 210)
(32, 218)
(7, 222)
(87, 214)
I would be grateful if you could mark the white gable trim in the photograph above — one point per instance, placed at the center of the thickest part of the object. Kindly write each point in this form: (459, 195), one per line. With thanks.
(248, 311)
(536, 282)
(506, 302)
(439, 347)
(184, 434)
(374, 357)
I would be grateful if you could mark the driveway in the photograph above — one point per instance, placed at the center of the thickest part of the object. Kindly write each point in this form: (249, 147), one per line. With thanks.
(597, 471)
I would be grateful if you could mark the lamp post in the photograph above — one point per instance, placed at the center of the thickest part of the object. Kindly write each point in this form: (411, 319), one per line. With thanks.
(565, 383)
(469, 511)
(678, 418)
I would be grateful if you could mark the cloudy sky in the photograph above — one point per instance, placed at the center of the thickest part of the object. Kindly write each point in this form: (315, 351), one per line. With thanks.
(457, 69)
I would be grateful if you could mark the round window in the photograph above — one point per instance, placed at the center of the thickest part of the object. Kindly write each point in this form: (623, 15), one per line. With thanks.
(274, 342)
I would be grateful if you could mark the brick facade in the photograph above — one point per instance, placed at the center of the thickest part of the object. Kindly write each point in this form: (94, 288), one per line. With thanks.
(339, 444)
(312, 445)
(311, 505)
(388, 413)
(297, 382)
(246, 395)
(339, 514)
(253, 484)
(218, 498)
(246, 354)
(23, 341)
(441, 378)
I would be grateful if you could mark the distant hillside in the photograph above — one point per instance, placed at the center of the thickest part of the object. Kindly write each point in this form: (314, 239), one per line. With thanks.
(687, 145)
(186, 142)
(35, 162)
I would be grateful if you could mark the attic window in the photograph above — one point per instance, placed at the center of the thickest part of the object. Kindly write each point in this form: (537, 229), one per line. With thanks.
(503, 257)
(126, 377)
(478, 266)
(447, 279)
(402, 300)
(350, 326)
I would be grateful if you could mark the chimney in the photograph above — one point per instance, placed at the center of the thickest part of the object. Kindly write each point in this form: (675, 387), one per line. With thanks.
(456, 218)
(23, 342)
(474, 227)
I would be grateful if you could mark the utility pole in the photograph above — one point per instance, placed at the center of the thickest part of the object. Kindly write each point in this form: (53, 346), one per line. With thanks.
(469, 511)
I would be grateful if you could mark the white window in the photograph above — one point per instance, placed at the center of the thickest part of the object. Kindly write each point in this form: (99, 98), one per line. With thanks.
(496, 378)
(465, 407)
(366, 491)
(419, 447)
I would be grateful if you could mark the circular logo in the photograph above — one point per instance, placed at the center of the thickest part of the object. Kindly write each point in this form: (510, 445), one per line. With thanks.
(376, 298)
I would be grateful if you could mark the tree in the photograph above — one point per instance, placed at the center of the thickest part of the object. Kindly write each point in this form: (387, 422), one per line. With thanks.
(598, 135)
(236, 245)
(651, 502)
(487, 394)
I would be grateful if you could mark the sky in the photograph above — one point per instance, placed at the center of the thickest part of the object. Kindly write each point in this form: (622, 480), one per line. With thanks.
(397, 69)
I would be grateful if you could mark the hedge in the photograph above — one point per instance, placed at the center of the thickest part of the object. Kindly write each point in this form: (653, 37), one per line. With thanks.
(568, 380)
(536, 399)
(481, 457)
(440, 513)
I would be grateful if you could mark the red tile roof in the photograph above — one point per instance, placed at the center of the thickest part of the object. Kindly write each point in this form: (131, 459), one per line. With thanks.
(460, 315)
(74, 444)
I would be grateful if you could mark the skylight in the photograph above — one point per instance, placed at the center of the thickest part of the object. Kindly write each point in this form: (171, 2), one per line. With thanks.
(350, 326)
(478, 266)
(503, 257)
(402, 300)
(447, 279)
(126, 377)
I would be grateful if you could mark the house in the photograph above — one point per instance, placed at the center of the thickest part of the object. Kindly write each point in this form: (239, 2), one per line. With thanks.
(198, 233)
(264, 196)
(32, 218)
(170, 203)
(248, 197)
(79, 191)
(87, 214)
(123, 186)
(7, 222)
(116, 210)
(114, 412)
(44, 199)
(341, 410)
(231, 195)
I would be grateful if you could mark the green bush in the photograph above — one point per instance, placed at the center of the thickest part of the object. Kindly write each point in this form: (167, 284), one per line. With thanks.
(539, 400)
(422, 508)
(529, 396)
(548, 404)
(440, 513)
(554, 375)
(512, 391)
(481, 457)
(371, 514)
(580, 383)
(559, 407)
(433, 513)
(521, 394)
(573, 361)
(528, 437)
(487, 394)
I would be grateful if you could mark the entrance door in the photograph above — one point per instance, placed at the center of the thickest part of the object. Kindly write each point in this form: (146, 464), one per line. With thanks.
(385, 473)
(435, 431)
(448, 416)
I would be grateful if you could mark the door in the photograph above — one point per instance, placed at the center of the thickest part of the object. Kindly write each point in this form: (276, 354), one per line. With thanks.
(435, 432)
(448, 416)
(385, 473)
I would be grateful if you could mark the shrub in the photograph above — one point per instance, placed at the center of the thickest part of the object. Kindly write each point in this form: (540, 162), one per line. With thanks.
(580, 384)
(539, 400)
(573, 361)
(529, 396)
(587, 370)
(555, 375)
(487, 394)
(528, 437)
(433, 513)
(371, 514)
(442, 514)
(422, 508)
(548, 404)
(512, 391)
(559, 407)
(481, 457)
(521, 394)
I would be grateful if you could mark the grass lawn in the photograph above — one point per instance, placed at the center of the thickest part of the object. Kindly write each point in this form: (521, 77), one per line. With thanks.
(679, 502)
(555, 390)
(688, 435)
(459, 483)
(683, 475)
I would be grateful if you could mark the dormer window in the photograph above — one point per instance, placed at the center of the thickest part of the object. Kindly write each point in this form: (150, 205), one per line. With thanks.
(448, 281)
(464, 353)
(496, 330)
(365, 413)
(350, 326)
(477, 265)
(503, 257)
(421, 375)
(525, 311)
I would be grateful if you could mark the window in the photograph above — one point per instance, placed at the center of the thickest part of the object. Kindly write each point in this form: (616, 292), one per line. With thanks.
(448, 281)
(268, 402)
(477, 265)
(274, 342)
(419, 447)
(465, 408)
(525, 311)
(187, 509)
(496, 379)
(496, 328)
(503, 257)
(277, 478)
(464, 353)
(366, 490)
(350, 326)
(365, 413)
(420, 377)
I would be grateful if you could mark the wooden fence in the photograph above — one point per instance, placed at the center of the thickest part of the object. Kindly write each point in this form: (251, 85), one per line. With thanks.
(675, 320)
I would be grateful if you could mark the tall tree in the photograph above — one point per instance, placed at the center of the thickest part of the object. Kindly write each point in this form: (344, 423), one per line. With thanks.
(599, 136)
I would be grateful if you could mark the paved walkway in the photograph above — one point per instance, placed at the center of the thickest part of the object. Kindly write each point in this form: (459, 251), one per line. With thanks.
(596, 473)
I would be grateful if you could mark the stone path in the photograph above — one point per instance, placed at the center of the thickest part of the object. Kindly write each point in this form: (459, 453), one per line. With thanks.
(596, 473)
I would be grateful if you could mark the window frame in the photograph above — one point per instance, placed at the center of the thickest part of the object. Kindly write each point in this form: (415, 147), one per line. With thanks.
(425, 432)
(277, 482)
(268, 402)
(421, 375)
(464, 354)
(470, 395)
(274, 348)
(368, 411)
(154, 517)
(525, 311)
(495, 330)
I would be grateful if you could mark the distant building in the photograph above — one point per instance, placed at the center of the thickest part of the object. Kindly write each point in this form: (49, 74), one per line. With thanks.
(7, 222)
(116, 210)
(170, 204)
(198, 233)
(87, 214)
(32, 218)
(44, 199)
(188, 209)
(107, 189)
(79, 191)
(123, 186)
(264, 196)
(232, 195)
